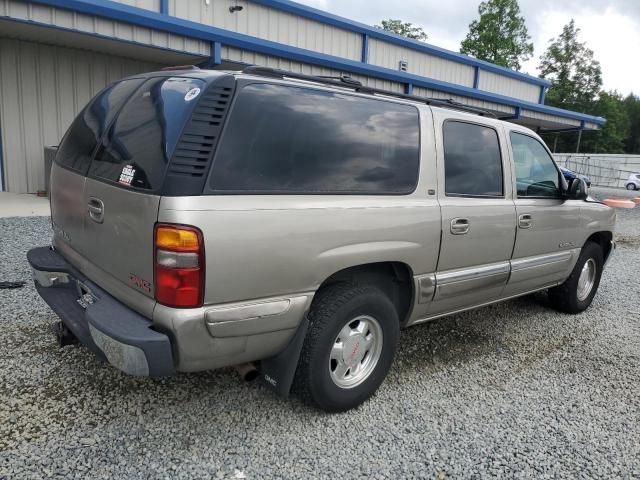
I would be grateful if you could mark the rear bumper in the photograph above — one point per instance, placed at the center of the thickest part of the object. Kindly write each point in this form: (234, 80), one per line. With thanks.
(103, 324)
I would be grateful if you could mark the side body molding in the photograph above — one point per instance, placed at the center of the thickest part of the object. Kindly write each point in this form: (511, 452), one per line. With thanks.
(436, 293)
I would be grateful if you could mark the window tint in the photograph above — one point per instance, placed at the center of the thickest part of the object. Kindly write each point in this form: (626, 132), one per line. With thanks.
(298, 140)
(78, 144)
(472, 161)
(139, 144)
(536, 174)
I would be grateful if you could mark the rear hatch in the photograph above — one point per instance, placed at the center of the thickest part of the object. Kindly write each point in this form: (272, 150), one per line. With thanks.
(123, 153)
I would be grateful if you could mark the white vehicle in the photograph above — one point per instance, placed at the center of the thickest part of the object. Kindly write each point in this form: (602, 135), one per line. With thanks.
(633, 182)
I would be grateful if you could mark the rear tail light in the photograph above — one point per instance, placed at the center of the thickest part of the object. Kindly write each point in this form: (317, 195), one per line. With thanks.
(179, 265)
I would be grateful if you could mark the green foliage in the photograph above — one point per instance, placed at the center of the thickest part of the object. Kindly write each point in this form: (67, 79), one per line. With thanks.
(575, 75)
(612, 137)
(405, 29)
(500, 35)
(576, 84)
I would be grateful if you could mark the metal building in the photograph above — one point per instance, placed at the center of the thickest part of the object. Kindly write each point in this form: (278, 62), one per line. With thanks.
(56, 54)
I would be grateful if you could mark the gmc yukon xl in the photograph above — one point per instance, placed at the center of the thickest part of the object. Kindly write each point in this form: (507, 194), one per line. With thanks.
(295, 224)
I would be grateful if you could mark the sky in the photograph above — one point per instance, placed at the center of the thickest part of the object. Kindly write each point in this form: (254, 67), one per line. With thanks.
(611, 28)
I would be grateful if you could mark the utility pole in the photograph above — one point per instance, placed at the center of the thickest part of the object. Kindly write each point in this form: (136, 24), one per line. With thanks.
(579, 138)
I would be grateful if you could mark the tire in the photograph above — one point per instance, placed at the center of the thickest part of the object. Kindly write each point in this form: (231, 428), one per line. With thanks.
(631, 186)
(572, 296)
(320, 378)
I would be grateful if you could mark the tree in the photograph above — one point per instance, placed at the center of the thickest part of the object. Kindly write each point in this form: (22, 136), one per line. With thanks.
(576, 81)
(500, 35)
(632, 107)
(405, 29)
(611, 138)
(576, 77)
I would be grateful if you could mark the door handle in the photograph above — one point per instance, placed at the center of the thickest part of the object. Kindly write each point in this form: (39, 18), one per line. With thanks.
(525, 220)
(460, 226)
(95, 207)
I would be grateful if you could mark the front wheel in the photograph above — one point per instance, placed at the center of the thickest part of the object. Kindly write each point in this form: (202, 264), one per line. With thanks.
(352, 339)
(577, 292)
(631, 186)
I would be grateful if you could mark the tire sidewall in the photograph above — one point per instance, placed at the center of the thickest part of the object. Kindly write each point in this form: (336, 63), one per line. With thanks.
(322, 388)
(593, 251)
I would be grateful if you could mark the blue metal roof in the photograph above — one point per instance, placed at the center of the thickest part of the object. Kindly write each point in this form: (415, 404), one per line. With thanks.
(178, 26)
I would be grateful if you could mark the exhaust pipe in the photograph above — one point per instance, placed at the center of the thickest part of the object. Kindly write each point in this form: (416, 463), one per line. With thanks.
(247, 371)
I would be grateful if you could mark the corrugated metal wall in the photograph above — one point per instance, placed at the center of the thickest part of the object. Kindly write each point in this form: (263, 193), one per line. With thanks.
(153, 5)
(243, 56)
(425, 92)
(46, 15)
(387, 55)
(510, 87)
(42, 88)
(270, 24)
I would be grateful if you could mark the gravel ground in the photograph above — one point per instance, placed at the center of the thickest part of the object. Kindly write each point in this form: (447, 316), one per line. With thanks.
(512, 390)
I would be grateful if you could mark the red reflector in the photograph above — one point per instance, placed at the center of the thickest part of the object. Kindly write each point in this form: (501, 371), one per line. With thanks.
(177, 287)
(179, 276)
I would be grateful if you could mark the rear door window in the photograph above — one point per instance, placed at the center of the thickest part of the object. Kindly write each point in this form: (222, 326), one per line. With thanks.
(472, 160)
(137, 148)
(282, 139)
(85, 132)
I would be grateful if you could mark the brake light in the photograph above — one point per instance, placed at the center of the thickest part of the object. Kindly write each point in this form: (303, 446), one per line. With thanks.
(179, 265)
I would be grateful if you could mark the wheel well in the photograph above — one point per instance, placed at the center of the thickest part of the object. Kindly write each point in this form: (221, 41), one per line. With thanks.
(604, 240)
(393, 278)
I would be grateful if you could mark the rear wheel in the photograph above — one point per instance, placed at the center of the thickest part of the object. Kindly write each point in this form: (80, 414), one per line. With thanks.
(352, 338)
(577, 292)
(631, 186)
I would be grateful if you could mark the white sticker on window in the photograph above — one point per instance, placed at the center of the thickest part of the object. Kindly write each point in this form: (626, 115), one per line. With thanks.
(126, 176)
(191, 94)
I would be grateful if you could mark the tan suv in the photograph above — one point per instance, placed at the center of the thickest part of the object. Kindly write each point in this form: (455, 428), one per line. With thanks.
(294, 223)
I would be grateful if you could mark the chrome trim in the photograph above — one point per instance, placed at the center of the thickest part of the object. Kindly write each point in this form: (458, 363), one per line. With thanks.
(480, 305)
(246, 312)
(426, 287)
(540, 260)
(474, 273)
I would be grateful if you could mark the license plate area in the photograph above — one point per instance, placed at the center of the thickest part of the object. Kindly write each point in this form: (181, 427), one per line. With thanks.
(85, 295)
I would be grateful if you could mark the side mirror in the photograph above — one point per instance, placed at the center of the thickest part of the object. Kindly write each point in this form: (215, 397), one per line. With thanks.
(578, 189)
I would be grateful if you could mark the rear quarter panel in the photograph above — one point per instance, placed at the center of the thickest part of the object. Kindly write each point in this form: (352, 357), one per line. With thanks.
(261, 246)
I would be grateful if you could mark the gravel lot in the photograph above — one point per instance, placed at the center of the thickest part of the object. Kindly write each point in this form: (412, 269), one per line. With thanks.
(512, 390)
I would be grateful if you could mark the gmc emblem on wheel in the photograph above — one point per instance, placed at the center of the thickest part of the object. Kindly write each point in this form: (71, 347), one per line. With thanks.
(141, 283)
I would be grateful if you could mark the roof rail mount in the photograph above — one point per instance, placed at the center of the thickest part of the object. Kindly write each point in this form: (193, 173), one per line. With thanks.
(345, 81)
(180, 67)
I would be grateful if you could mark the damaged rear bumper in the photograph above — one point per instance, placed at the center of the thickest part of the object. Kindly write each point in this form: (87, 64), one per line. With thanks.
(104, 325)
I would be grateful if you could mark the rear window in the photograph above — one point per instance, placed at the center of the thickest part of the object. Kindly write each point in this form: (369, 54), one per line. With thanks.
(79, 143)
(282, 139)
(139, 144)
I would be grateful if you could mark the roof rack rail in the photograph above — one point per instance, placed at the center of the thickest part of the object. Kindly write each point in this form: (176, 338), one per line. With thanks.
(345, 81)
